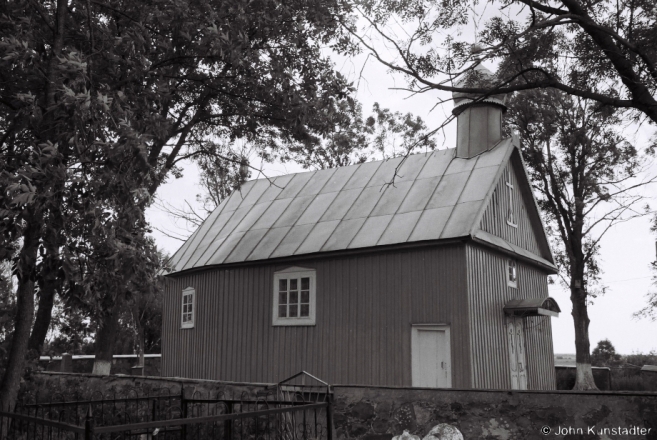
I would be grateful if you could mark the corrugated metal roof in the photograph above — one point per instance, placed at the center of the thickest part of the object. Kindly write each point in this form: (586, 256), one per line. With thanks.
(434, 196)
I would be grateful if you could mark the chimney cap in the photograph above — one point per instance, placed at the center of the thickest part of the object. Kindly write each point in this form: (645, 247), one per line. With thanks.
(480, 76)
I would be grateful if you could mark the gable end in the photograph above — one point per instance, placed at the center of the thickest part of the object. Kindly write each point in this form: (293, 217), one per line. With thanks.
(512, 214)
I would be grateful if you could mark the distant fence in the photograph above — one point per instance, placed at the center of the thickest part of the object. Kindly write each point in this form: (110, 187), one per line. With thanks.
(168, 416)
(633, 378)
(121, 364)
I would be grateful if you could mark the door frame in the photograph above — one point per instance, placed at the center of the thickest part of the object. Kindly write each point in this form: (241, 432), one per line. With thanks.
(415, 355)
(516, 342)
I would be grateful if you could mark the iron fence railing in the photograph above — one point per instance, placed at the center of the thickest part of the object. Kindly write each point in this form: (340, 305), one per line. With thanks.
(271, 415)
(291, 422)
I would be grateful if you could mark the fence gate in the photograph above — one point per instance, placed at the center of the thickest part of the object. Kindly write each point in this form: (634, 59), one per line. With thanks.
(297, 408)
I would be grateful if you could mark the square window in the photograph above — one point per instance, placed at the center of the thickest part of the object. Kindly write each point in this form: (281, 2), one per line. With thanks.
(294, 297)
(187, 312)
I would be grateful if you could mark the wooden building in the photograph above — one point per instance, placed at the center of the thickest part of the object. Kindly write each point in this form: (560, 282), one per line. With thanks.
(436, 280)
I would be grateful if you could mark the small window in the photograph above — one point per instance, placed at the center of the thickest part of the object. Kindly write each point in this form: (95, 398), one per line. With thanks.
(188, 306)
(512, 273)
(294, 297)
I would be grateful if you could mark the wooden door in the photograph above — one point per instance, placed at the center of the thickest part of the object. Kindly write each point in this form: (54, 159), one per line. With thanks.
(430, 350)
(517, 357)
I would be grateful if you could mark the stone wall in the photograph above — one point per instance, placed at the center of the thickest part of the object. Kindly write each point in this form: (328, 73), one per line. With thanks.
(649, 377)
(566, 375)
(44, 385)
(372, 413)
(379, 413)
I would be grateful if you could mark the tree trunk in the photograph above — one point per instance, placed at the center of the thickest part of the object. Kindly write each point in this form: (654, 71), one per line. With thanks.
(140, 345)
(25, 313)
(584, 379)
(43, 317)
(50, 281)
(105, 337)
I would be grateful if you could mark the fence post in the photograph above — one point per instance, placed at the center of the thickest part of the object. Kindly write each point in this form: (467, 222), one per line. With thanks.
(89, 425)
(228, 424)
(183, 410)
(329, 415)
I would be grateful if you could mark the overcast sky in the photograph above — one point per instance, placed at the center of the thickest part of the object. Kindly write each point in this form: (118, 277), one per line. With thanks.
(626, 251)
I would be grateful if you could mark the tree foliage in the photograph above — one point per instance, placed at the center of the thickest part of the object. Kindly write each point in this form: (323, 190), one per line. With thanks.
(602, 51)
(586, 176)
(604, 354)
(101, 101)
(355, 139)
(7, 312)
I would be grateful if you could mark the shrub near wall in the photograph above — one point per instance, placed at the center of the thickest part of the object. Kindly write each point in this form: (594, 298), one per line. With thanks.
(371, 413)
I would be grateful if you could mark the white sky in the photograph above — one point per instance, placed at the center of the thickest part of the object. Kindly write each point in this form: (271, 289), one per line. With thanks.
(626, 251)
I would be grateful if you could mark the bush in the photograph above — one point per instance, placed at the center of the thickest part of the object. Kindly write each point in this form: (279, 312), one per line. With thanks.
(627, 383)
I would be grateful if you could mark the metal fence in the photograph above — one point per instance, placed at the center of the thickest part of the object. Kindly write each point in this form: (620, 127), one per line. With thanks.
(271, 415)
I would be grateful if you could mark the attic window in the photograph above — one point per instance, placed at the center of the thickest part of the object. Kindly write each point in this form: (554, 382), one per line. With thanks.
(294, 297)
(510, 218)
(512, 271)
(188, 306)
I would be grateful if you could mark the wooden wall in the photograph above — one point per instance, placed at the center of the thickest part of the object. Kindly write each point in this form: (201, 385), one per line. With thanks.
(527, 233)
(365, 307)
(488, 292)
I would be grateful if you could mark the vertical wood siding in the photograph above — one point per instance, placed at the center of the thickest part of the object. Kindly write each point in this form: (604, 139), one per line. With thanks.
(495, 215)
(488, 292)
(365, 308)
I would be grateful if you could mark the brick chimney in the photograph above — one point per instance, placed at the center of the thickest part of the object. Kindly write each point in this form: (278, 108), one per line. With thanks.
(479, 122)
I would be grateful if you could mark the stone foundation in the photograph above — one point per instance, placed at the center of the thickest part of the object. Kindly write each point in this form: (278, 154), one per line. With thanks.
(372, 413)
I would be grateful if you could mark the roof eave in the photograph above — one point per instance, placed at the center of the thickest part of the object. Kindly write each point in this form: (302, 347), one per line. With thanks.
(504, 246)
(326, 254)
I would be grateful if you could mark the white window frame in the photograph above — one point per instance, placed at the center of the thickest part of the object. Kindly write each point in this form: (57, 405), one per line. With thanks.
(511, 263)
(188, 291)
(291, 273)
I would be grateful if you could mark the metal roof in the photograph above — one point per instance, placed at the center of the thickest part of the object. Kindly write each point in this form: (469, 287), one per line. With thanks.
(434, 196)
(532, 307)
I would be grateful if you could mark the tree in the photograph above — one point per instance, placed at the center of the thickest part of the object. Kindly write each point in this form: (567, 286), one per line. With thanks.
(99, 103)
(601, 51)
(7, 312)
(144, 307)
(221, 172)
(650, 310)
(383, 134)
(604, 354)
(586, 176)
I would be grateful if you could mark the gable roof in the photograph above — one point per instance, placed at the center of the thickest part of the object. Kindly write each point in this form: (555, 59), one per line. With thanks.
(435, 196)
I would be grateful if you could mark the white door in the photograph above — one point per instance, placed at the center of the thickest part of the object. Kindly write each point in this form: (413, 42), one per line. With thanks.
(517, 358)
(431, 359)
